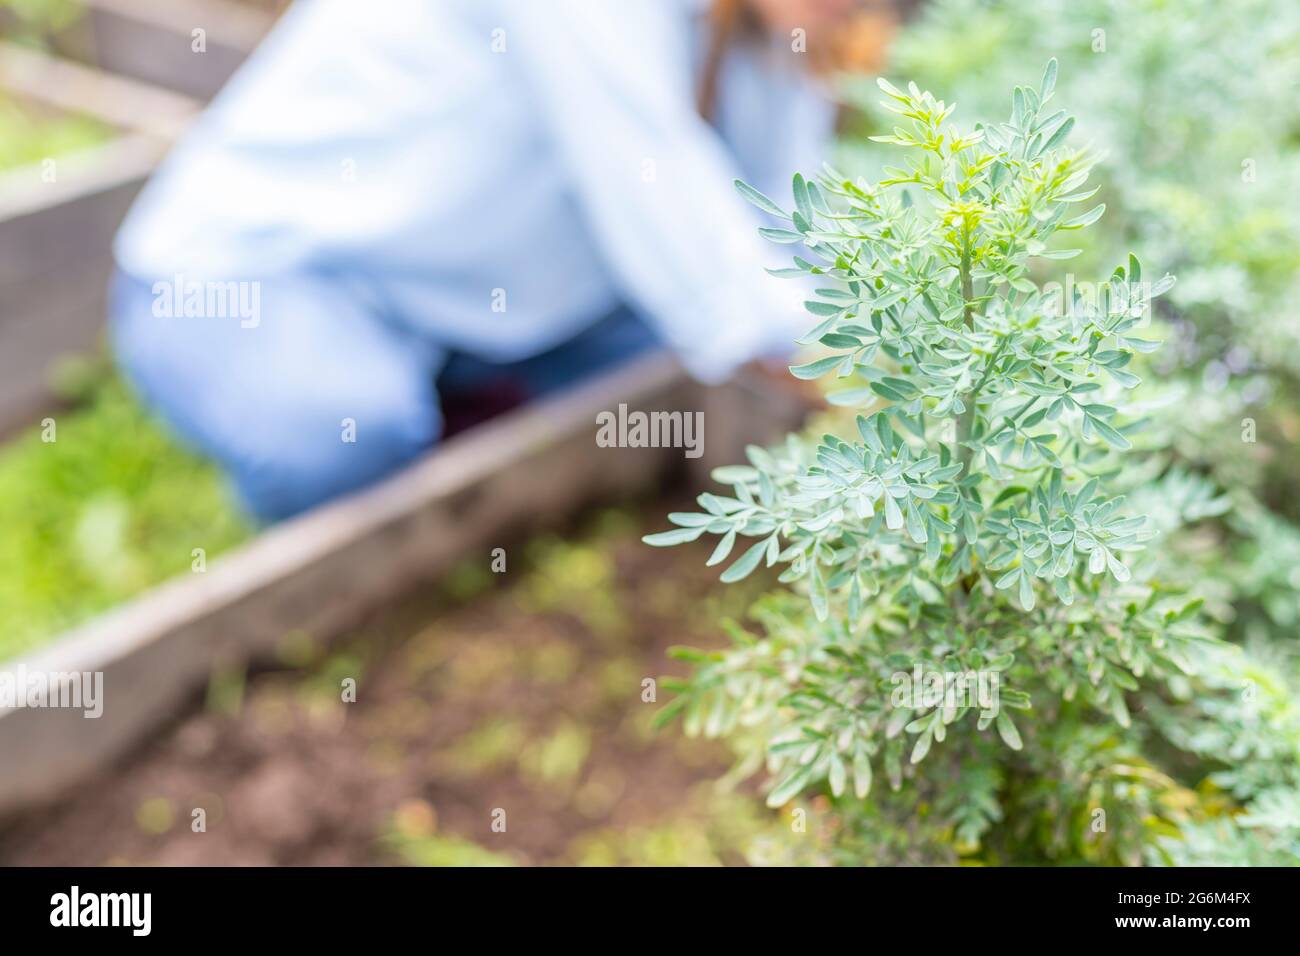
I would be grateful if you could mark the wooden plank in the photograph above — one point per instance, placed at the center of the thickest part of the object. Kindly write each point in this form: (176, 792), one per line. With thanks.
(55, 261)
(233, 23)
(324, 570)
(56, 233)
(153, 40)
(119, 101)
(47, 226)
(70, 323)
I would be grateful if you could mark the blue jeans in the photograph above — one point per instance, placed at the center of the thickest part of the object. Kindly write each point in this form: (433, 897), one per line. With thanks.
(323, 394)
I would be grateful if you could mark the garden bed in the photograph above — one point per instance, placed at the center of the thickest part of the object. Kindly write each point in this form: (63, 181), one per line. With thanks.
(320, 573)
(57, 222)
(520, 691)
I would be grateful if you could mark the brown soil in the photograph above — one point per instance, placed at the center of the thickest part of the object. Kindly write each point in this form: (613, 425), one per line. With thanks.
(518, 692)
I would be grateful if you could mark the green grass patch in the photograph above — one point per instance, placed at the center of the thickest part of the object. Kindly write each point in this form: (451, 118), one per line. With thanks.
(30, 135)
(108, 508)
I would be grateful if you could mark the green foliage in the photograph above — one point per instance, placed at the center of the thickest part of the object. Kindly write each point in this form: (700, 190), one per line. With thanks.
(969, 521)
(1203, 166)
(42, 14)
(110, 507)
(437, 850)
(935, 310)
(30, 133)
(29, 136)
(1196, 112)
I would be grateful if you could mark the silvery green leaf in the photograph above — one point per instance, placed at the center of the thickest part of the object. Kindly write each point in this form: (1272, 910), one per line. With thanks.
(1026, 592)
(745, 564)
(723, 549)
(1087, 219)
(785, 236)
(758, 199)
(1008, 732)
(676, 536)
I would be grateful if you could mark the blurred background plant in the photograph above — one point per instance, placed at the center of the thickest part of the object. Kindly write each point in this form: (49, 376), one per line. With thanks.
(29, 135)
(112, 506)
(29, 20)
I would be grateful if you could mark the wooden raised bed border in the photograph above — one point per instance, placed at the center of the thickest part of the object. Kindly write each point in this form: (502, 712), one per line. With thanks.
(56, 237)
(152, 40)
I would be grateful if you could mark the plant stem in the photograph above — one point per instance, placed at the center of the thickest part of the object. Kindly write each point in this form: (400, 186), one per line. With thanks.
(966, 421)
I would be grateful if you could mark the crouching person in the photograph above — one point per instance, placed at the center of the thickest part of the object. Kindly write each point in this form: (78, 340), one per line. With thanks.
(386, 219)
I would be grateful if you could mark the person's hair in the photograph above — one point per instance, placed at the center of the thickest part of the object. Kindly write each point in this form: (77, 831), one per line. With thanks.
(856, 46)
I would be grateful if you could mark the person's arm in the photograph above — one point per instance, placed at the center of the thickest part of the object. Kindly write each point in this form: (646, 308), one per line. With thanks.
(654, 182)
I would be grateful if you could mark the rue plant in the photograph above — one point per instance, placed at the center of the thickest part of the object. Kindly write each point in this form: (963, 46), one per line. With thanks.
(959, 522)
